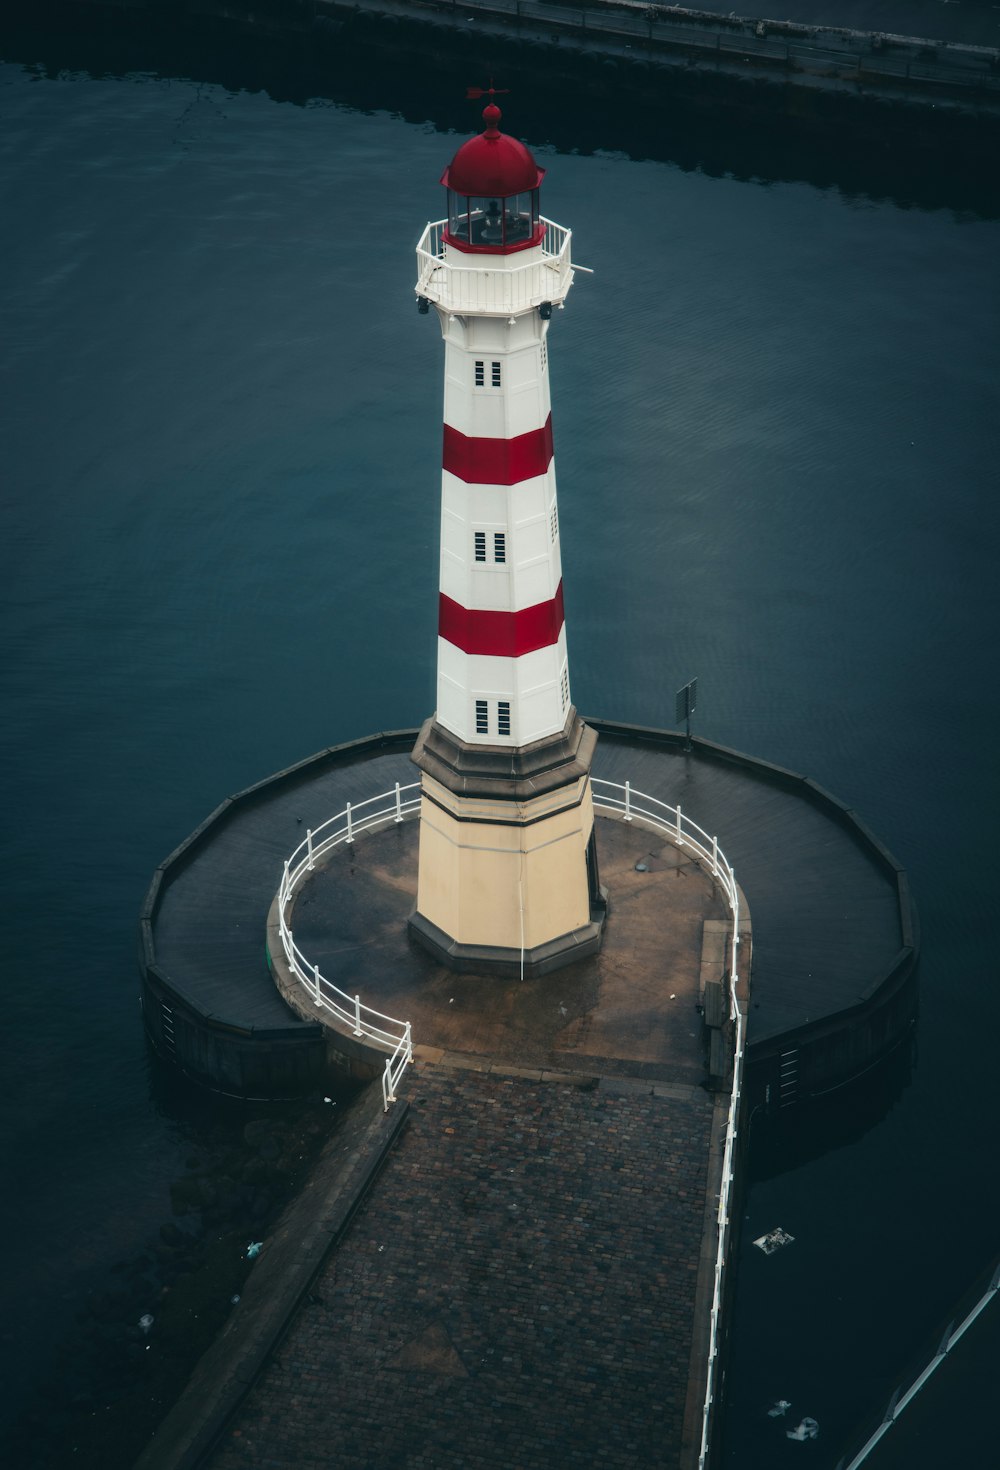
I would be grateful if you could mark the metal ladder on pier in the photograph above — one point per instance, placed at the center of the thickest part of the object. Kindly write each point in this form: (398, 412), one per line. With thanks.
(167, 1030)
(788, 1078)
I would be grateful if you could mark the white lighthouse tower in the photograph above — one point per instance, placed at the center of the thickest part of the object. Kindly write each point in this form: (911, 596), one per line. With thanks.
(508, 876)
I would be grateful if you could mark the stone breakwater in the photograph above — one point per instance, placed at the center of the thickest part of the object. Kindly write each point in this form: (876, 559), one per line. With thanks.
(742, 50)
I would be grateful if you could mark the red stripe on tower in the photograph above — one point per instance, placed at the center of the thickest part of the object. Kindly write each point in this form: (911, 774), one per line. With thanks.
(498, 461)
(501, 634)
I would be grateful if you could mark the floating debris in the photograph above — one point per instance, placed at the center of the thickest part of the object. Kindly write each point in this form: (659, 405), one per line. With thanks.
(146, 1321)
(773, 1241)
(253, 1249)
(234, 1299)
(781, 1408)
(330, 1101)
(808, 1429)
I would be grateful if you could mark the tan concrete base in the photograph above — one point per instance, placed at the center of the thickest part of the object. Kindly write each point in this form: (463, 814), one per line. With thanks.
(566, 949)
(506, 882)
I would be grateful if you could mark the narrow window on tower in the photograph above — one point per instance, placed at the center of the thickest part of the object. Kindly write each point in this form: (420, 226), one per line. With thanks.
(554, 522)
(545, 353)
(564, 688)
(479, 542)
(482, 720)
(499, 546)
(480, 375)
(496, 374)
(503, 717)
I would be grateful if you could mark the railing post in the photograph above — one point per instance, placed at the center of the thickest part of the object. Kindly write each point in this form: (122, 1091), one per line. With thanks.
(736, 935)
(316, 983)
(715, 857)
(357, 1015)
(409, 1043)
(284, 885)
(388, 1096)
(628, 802)
(350, 824)
(677, 827)
(399, 804)
(309, 848)
(291, 951)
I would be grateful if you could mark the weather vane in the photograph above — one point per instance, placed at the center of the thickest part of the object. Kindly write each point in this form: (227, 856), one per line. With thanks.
(472, 94)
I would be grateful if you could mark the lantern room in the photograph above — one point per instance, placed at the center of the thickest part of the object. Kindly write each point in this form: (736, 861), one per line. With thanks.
(493, 185)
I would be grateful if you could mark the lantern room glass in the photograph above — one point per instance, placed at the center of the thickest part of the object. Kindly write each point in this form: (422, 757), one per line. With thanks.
(486, 222)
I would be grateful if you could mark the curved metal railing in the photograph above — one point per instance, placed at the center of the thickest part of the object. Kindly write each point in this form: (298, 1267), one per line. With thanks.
(672, 822)
(384, 1032)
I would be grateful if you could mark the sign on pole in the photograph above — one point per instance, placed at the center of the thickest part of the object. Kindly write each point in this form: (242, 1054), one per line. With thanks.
(687, 699)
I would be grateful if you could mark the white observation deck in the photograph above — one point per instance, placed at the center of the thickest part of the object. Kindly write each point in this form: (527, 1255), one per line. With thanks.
(502, 285)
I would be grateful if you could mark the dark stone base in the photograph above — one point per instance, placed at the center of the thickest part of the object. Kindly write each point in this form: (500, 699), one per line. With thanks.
(505, 772)
(483, 959)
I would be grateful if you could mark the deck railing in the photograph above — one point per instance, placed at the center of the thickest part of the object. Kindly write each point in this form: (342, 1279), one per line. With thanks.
(383, 1032)
(486, 288)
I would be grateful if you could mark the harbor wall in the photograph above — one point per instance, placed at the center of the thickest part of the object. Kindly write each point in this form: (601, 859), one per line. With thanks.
(752, 61)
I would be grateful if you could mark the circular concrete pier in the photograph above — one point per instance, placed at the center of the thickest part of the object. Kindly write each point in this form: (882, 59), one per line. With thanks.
(834, 935)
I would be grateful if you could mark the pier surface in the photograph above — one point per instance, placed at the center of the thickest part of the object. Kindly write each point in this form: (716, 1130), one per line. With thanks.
(528, 1281)
(519, 1289)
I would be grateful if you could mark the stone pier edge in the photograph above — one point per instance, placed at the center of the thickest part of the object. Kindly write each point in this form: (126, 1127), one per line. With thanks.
(293, 1256)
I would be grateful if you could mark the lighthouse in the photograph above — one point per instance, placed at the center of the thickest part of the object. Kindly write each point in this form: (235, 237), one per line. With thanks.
(508, 877)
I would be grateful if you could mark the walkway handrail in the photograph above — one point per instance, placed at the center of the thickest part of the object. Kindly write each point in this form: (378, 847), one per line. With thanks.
(366, 1024)
(725, 1201)
(671, 821)
(900, 1400)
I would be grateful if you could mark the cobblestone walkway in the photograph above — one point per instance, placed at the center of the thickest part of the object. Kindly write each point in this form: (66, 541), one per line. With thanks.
(517, 1291)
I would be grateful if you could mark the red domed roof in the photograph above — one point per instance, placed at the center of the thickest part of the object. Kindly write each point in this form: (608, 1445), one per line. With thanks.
(492, 163)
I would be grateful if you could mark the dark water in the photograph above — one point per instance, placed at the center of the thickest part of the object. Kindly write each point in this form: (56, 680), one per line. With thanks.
(777, 439)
